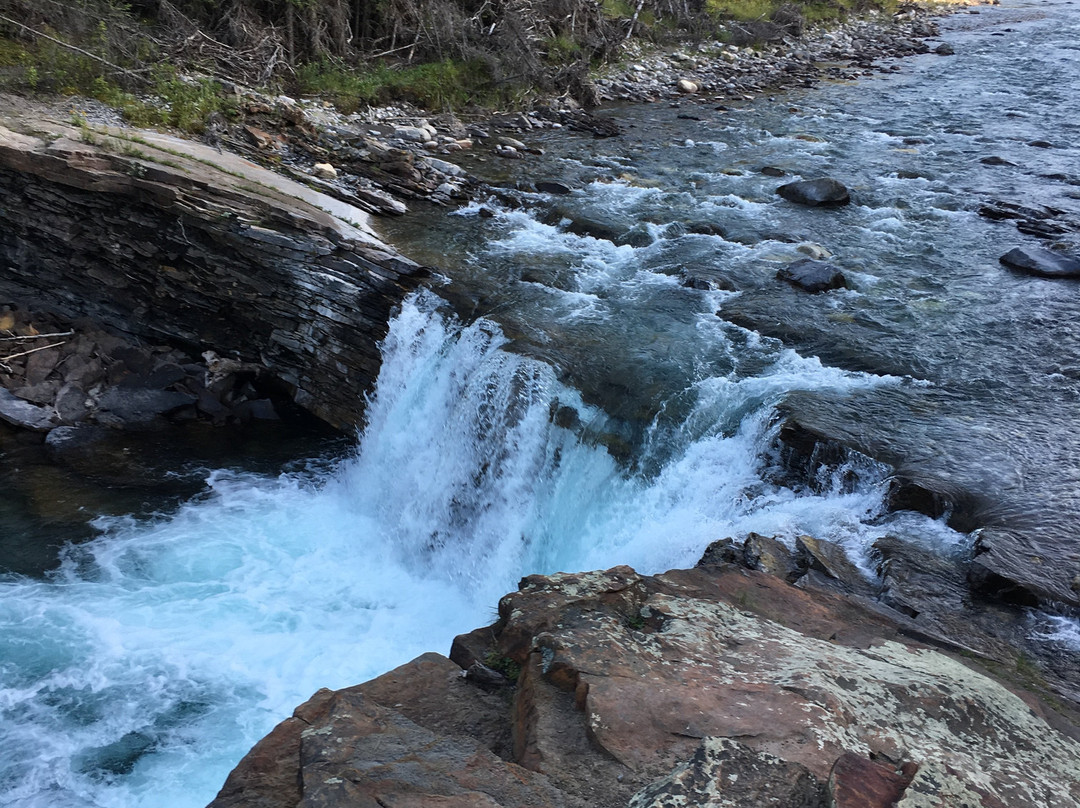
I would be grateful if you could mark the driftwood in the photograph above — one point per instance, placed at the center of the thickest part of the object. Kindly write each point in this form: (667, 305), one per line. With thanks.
(36, 336)
(32, 350)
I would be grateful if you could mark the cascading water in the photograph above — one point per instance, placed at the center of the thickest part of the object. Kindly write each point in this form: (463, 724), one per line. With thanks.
(142, 669)
(596, 412)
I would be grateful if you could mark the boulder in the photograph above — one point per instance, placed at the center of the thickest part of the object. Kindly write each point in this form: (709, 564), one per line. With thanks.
(1043, 263)
(324, 171)
(813, 276)
(687, 87)
(823, 192)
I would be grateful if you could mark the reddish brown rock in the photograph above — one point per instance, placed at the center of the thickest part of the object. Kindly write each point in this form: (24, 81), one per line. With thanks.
(716, 687)
(858, 782)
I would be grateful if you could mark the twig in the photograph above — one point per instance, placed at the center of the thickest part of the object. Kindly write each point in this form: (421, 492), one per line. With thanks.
(32, 350)
(37, 336)
(63, 44)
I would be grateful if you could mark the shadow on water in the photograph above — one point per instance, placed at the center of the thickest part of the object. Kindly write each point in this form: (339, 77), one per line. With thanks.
(53, 497)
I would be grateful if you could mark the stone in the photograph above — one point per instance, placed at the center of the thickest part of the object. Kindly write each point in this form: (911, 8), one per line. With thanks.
(822, 192)
(831, 560)
(945, 49)
(553, 187)
(858, 782)
(724, 773)
(324, 171)
(41, 363)
(134, 405)
(23, 414)
(772, 171)
(71, 404)
(511, 143)
(345, 749)
(813, 276)
(687, 87)
(994, 160)
(1043, 263)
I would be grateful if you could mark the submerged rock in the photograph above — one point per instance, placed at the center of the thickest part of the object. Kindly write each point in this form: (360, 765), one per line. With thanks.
(1044, 263)
(820, 192)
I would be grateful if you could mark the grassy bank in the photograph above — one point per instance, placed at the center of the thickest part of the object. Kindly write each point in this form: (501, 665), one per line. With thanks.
(438, 54)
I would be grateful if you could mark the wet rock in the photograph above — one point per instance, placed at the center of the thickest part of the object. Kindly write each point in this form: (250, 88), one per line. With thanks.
(130, 406)
(813, 276)
(945, 49)
(1043, 263)
(553, 187)
(1041, 144)
(824, 192)
(772, 171)
(724, 773)
(994, 160)
(831, 560)
(23, 414)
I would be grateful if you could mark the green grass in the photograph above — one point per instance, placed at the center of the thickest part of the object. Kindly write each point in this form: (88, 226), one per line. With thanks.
(164, 101)
(435, 85)
(504, 665)
(813, 11)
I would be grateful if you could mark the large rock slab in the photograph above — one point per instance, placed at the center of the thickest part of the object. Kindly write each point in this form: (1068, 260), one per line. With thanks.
(717, 686)
(171, 241)
(344, 748)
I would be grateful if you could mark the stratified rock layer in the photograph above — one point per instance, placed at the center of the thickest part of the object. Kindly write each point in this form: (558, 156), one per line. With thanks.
(174, 243)
(716, 686)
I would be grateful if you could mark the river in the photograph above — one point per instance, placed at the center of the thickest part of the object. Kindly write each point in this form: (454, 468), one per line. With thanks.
(561, 400)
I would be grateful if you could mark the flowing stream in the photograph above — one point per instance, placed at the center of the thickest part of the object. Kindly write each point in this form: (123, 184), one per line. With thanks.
(563, 401)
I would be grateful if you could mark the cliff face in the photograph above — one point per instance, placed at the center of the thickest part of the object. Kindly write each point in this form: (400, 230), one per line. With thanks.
(173, 242)
(717, 686)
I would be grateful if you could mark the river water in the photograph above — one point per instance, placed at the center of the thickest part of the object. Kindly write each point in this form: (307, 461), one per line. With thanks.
(561, 400)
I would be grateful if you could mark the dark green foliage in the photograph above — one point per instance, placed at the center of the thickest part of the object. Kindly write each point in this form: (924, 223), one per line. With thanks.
(504, 665)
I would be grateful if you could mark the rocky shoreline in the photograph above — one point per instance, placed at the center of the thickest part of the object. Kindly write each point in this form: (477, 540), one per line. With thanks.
(378, 161)
(744, 681)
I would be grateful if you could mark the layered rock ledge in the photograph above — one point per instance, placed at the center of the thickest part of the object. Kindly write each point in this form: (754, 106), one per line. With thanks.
(717, 686)
(172, 242)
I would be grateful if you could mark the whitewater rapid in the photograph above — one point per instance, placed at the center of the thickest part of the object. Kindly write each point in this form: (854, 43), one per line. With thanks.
(141, 670)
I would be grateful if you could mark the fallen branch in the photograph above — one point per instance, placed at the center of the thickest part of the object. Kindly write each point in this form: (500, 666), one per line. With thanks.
(32, 350)
(37, 336)
(133, 74)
